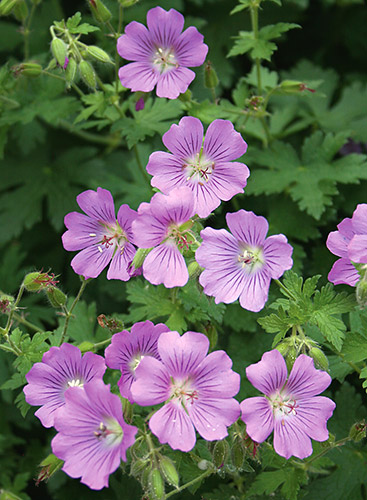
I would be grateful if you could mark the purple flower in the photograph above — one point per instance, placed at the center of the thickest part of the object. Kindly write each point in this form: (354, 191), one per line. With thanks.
(161, 54)
(92, 434)
(61, 368)
(100, 236)
(290, 407)
(207, 169)
(198, 390)
(160, 225)
(241, 265)
(128, 349)
(350, 243)
(140, 104)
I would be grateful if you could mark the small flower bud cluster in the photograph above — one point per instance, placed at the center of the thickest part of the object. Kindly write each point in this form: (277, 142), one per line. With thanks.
(46, 282)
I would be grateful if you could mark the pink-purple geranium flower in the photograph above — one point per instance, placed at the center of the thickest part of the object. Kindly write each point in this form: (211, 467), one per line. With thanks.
(127, 349)
(206, 168)
(161, 54)
(61, 367)
(197, 390)
(92, 435)
(242, 264)
(291, 408)
(160, 224)
(350, 243)
(100, 236)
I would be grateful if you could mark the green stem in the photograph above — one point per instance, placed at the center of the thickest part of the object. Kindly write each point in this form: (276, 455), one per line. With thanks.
(74, 85)
(255, 29)
(266, 130)
(27, 31)
(117, 57)
(190, 483)
(341, 442)
(283, 287)
(102, 343)
(13, 309)
(88, 136)
(26, 323)
(68, 314)
(140, 166)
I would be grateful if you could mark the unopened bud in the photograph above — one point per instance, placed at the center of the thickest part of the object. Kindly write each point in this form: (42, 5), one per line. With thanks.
(291, 357)
(49, 466)
(210, 76)
(87, 73)
(127, 410)
(290, 87)
(21, 11)
(86, 346)
(194, 269)
(220, 453)
(59, 50)
(361, 292)
(156, 485)
(31, 70)
(70, 71)
(98, 54)
(6, 6)
(137, 467)
(56, 297)
(127, 3)
(140, 104)
(211, 332)
(237, 454)
(358, 431)
(5, 303)
(100, 11)
(140, 255)
(283, 347)
(169, 471)
(319, 358)
(186, 96)
(37, 281)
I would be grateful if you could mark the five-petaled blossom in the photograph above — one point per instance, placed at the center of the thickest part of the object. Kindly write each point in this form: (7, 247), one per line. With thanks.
(350, 243)
(206, 168)
(242, 264)
(61, 367)
(127, 349)
(197, 390)
(161, 54)
(290, 408)
(162, 224)
(100, 236)
(92, 435)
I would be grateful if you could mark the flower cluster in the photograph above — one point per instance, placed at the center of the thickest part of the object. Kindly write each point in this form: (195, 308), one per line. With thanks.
(349, 243)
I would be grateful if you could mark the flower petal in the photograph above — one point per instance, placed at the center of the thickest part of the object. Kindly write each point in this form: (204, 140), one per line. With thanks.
(125, 218)
(357, 248)
(165, 264)
(190, 50)
(172, 425)
(91, 261)
(177, 206)
(152, 383)
(212, 416)
(167, 171)
(278, 255)
(304, 380)
(98, 205)
(313, 414)
(248, 227)
(222, 143)
(228, 179)
(148, 230)
(214, 377)
(290, 439)
(136, 44)
(359, 219)
(185, 139)
(269, 374)
(255, 291)
(343, 272)
(82, 231)
(118, 269)
(164, 26)
(258, 417)
(174, 82)
(138, 76)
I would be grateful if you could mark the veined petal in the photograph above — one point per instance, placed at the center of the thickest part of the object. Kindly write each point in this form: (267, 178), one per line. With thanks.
(212, 416)
(343, 272)
(190, 49)
(175, 207)
(165, 26)
(165, 264)
(359, 219)
(181, 355)
(125, 218)
(82, 231)
(278, 255)
(337, 244)
(98, 205)
(138, 76)
(136, 44)
(174, 82)
(172, 425)
(185, 139)
(148, 230)
(228, 179)
(290, 438)
(167, 171)
(255, 291)
(304, 380)
(91, 261)
(269, 374)
(118, 269)
(258, 417)
(222, 142)
(214, 377)
(313, 414)
(357, 248)
(248, 227)
(152, 382)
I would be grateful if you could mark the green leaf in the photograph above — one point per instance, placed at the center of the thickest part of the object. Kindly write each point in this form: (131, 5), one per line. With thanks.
(276, 30)
(355, 347)
(74, 27)
(268, 482)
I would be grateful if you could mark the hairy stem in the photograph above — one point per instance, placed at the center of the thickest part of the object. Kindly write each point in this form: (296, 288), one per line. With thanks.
(255, 28)
(140, 166)
(68, 313)
(190, 483)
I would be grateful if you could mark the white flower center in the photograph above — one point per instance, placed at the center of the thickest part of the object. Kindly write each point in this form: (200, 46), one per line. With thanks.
(135, 362)
(198, 169)
(251, 258)
(109, 431)
(164, 59)
(283, 405)
(183, 392)
(113, 235)
(76, 382)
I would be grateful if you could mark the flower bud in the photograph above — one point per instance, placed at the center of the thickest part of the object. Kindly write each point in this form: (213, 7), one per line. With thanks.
(156, 485)
(87, 73)
(291, 87)
(56, 297)
(138, 467)
(290, 358)
(186, 96)
(70, 71)
(86, 346)
(211, 332)
(358, 431)
(319, 358)
(283, 346)
(37, 281)
(140, 255)
(127, 410)
(140, 104)
(100, 12)
(49, 466)
(210, 76)
(169, 471)
(98, 54)
(59, 50)
(194, 269)
(237, 454)
(361, 292)
(6, 6)
(220, 453)
(21, 11)
(127, 3)
(31, 70)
